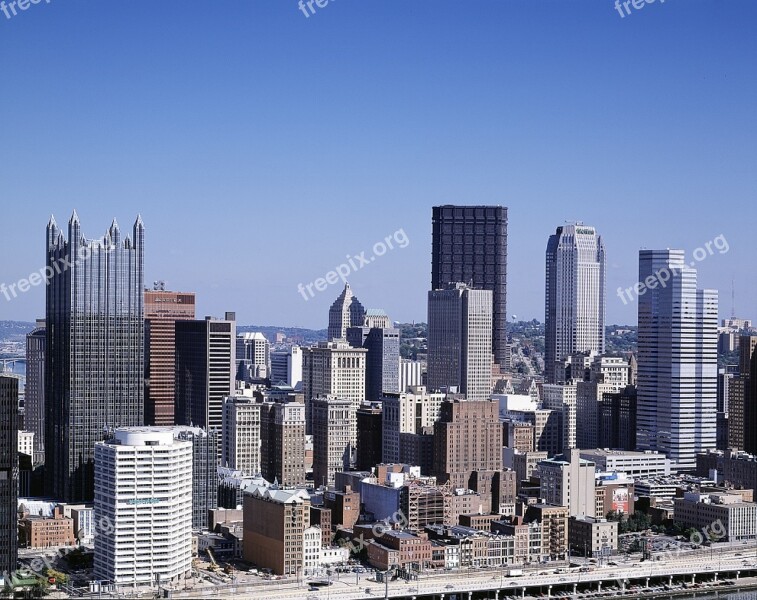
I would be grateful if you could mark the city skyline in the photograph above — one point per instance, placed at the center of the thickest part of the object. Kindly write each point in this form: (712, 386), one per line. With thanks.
(708, 257)
(416, 299)
(654, 151)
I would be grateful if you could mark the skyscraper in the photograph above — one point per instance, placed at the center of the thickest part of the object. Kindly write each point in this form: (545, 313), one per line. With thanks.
(94, 361)
(241, 434)
(204, 470)
(144, 495)
(334, 369)
(742, 399)
(34, 401)
(253, 356)
(468, 448)
(333, 423)
(205, 370)
(677, 378)
(469, 244)
(369, 436)
(282, 455)
(382, 341)
(8, 474)
(345, 312)
(409, 412)
(575, 296)
(459, 340)
(162, 310)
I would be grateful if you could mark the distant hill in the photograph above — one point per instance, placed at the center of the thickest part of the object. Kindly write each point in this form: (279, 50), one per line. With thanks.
(14, 331)
(299, 335)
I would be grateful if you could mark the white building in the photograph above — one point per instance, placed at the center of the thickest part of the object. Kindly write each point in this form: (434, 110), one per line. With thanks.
(317, 557)
(294, 367)
(286, 366)
(678, 362)
(143, 507)
(411, 373)
(575, 296)
(563, 398)
(510, 403)
(241, 434)
(334, 555)
(311, 555)
(83, 516)
(721, 516)
(253, 356)
(26, 442)
(611, 370)
(569, 481)
(408, 412)
(635, 464)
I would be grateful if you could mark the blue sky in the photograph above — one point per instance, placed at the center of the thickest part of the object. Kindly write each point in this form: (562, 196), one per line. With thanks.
(262, 147)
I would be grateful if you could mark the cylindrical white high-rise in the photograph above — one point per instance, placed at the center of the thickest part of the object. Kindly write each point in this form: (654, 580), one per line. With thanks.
(143, 507)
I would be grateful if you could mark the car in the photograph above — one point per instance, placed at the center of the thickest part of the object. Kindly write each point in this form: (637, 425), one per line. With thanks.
(449, 587)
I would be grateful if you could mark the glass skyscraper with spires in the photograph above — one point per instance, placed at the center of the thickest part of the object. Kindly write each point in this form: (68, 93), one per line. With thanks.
(94, 373)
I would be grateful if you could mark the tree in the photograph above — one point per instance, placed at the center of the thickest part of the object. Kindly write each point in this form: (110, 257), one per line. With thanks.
(59, 577)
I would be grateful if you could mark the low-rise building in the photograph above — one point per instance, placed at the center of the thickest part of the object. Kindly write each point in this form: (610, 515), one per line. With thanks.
(47, 532)
(554, 529)
(733, 468)
(592, 537)
(84, 521)
(274, 525)
(523, 463)
(615, 492)
(725, 517)
(399, 549)
(635, 464)
(344, 507)
(26, 442)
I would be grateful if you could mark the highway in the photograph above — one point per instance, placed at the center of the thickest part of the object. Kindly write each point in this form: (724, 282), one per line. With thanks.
(460, 583)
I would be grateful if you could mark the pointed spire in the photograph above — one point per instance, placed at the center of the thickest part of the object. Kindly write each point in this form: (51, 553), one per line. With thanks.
(74, 218)
(114, 233)
(53, 233)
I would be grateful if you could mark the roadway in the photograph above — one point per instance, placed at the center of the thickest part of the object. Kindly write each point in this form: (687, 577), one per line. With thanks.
(457, 583)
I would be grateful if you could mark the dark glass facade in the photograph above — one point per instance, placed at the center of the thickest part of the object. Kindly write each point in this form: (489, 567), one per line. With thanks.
(469, 245)
(382, 363)
(204, 472)
(8, 474)
(94, 370)
(34, 403)
(205, 368)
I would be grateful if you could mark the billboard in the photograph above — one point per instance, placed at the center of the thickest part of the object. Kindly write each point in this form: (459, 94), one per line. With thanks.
(620, 500)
